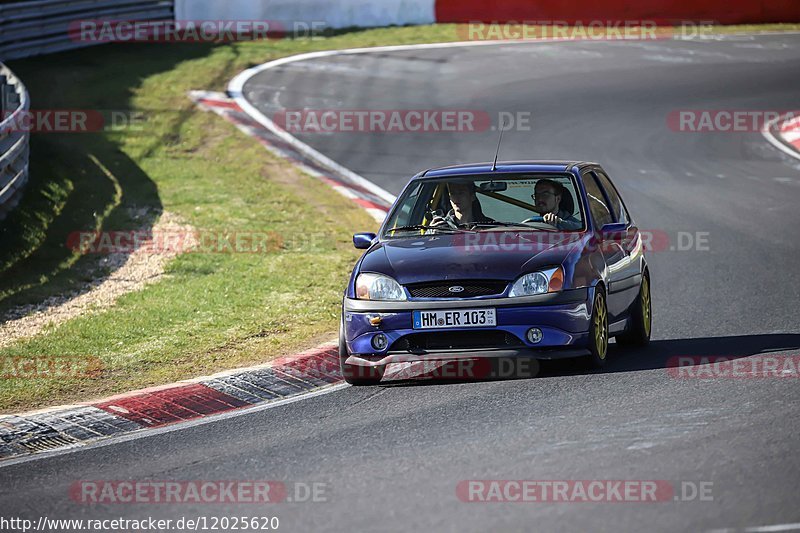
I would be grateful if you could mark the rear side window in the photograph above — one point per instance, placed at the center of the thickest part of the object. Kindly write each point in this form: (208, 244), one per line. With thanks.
(597, 203)
(617, 207)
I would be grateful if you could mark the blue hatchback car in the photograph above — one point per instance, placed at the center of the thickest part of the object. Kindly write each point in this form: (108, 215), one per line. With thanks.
(534, 259)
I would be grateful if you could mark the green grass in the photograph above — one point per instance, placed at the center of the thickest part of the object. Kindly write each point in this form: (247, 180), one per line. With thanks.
(212, 311)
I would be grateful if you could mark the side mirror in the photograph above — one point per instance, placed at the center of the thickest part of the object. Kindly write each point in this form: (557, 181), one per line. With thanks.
(610, 231)
(362, 241)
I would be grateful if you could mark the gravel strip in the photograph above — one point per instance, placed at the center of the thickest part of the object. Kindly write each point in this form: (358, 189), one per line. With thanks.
(131, 272)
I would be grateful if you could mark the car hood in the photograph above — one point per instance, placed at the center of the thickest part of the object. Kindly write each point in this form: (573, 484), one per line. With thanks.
(484, 255)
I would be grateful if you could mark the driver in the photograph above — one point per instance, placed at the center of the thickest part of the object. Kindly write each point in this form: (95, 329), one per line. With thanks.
(466, 209)
(546, 197)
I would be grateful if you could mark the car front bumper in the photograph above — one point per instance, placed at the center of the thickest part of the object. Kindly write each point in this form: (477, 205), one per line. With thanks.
(563, 318)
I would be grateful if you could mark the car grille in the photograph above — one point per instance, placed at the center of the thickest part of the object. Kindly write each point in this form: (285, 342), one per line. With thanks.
(441, 289)
(456, 340)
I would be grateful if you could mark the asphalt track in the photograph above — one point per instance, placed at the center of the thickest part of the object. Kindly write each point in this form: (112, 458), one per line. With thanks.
(392, 456)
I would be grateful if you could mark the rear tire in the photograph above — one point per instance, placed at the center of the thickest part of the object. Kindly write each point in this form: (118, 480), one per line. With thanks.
(355, 374)
(641, 313)
(598, 331)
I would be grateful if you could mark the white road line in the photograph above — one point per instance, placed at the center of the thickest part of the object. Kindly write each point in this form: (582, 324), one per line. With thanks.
(777, 527)
(759, 529)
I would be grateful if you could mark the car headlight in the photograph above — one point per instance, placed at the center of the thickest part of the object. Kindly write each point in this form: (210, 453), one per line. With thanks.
(551, 280)
(378, 287)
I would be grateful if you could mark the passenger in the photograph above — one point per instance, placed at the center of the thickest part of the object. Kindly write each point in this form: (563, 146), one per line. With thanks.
(466, 208)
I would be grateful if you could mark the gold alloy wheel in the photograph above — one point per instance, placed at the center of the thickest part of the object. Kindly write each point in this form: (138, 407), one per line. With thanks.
(600, 327)
(645, 299)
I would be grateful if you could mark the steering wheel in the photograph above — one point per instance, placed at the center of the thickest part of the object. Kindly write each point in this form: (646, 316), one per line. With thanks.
(537, 218)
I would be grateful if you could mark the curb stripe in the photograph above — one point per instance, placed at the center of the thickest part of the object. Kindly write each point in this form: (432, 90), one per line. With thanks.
(74, 426)
(20, 435)
(172, 405)
(784, 134)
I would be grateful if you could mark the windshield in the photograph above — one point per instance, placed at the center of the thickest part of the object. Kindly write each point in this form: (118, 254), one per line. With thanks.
(529, 202)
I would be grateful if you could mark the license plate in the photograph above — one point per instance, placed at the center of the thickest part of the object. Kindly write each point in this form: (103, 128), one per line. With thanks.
(455, 318)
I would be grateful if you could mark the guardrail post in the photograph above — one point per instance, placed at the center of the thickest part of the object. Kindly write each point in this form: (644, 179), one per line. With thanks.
(4, 96)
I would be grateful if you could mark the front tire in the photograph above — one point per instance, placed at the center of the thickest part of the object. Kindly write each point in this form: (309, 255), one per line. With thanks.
(355, 374)
(598, 331)
(638, 335)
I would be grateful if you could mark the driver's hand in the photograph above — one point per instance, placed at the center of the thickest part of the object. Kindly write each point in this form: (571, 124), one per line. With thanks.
(551, 219)
(438, 221)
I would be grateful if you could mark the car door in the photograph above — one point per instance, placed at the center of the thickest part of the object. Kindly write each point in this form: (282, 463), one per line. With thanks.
(614, 251)
(632, 242)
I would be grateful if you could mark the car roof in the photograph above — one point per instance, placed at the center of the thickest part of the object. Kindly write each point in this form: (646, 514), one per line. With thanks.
(504, 167)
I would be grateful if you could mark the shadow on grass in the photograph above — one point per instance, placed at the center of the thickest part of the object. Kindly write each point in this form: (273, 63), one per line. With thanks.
(82, 181)
(659, 354)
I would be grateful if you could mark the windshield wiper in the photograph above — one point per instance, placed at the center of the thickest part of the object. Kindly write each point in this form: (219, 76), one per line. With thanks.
(510, 225)
(426, 227)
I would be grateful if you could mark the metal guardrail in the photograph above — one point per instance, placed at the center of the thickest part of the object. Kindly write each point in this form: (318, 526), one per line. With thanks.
(14, 151)
(42, 26)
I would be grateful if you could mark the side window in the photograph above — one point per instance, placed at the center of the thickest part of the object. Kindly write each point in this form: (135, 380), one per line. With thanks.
(597, 203)
(404, 214)
(617, 207)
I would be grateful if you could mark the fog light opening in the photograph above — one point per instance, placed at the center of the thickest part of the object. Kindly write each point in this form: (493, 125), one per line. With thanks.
(535, 335)
(379, 341)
